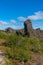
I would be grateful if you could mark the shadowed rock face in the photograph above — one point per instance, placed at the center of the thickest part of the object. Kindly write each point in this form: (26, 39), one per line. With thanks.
(21, 32)
(28, 28)
(29, 31)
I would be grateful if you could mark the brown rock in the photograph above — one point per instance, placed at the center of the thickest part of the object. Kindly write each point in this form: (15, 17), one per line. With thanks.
(29, 31)
(10, 30)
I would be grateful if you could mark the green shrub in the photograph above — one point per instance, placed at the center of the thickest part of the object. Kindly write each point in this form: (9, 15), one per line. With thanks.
(35, 45)
(4, 35)
(8, 63)
(20, 48)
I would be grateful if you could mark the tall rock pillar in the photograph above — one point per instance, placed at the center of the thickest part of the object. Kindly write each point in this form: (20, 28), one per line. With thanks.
(28, 28)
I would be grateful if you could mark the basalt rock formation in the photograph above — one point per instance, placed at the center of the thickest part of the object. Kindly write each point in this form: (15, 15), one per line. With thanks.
(28, 28)
(30, 32)
(10, 30)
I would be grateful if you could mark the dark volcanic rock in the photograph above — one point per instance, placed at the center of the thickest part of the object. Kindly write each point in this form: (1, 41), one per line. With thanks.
(37, 33)
(10, 30)
(21, 32)
(28, 28)
(29, 31)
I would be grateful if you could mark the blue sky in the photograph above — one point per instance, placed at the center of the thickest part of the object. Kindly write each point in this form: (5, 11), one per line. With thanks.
(13, 13)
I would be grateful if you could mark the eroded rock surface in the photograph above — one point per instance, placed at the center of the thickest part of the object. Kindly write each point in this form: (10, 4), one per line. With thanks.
(30, 32)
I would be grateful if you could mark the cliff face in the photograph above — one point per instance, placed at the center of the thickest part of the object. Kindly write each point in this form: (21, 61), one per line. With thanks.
(29, 31)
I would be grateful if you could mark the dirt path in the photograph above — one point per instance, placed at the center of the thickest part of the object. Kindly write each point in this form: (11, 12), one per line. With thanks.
(2, 58)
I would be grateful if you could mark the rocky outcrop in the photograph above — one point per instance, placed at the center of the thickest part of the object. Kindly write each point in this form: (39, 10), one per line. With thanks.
(21, 32)
(30, 32)
(10, 30)
(28, 28)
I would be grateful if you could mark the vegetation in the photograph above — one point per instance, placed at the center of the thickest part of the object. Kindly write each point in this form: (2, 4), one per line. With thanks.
(8, 63)
(21, 48)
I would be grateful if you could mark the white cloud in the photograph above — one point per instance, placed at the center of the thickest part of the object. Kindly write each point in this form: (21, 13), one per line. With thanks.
(3, 23)
(21, 18)
(13, 21)
(38, 24)
(37, 16)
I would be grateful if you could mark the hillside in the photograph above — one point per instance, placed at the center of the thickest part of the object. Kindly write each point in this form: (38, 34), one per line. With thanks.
(22, 47)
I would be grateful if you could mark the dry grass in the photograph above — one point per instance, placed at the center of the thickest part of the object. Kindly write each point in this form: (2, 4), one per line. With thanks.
(2, 41)
(2, 48)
